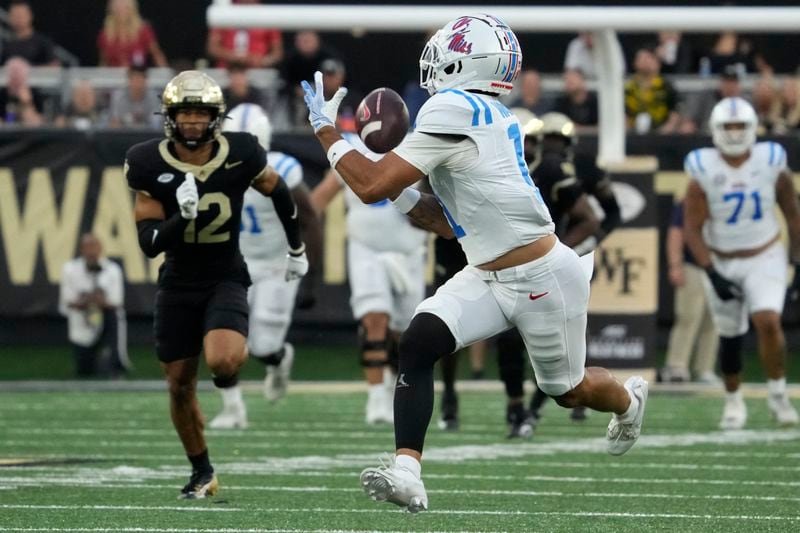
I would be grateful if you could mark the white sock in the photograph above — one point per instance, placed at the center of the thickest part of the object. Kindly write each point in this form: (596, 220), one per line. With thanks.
(776, 387)
(735, 396)
(630, 414)
(232, 396)
(376, 391)
(410, 464)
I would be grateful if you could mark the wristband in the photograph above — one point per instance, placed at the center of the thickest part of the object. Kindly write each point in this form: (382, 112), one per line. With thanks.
(299, 251)
(407, 199)
(337, 150)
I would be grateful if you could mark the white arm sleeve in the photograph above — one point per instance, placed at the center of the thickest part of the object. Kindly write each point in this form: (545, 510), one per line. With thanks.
(426, 152)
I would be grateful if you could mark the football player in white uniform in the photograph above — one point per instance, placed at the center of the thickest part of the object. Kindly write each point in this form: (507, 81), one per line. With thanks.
(519, 274)
(733, 233)
(271, 297)
(386, 270)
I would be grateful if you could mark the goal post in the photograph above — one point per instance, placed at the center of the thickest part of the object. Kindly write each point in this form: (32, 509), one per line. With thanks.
(604, 22)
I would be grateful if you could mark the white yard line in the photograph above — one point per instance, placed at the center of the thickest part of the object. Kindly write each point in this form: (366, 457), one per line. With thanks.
(477, 512)
(446, 492)
(123, 508)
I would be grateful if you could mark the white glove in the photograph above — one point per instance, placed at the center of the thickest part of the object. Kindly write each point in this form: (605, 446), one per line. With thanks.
(320, 112)
(187, 197)
(296, 266)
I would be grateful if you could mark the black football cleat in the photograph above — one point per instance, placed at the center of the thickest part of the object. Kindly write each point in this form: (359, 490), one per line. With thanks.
(449, 418)
(201, 485)
(578, 414)
(520, 423)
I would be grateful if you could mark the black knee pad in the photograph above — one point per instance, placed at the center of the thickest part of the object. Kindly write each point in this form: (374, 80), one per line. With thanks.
(730, 354)
(225, 382)
(426, 340)
(365, 345)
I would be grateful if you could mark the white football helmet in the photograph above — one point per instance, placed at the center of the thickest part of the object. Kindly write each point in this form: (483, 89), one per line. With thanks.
(251, 119)
(731, 111)
(478, 52)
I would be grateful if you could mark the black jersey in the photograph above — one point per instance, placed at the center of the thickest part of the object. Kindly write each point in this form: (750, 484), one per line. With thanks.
(592, 177)
(554, 175)
(209, 252)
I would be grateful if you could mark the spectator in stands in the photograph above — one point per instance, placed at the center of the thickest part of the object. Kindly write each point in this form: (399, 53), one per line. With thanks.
(675, 53)
(135, 106)
(580, 55)
(91, 297)
(731, 49)
(767, 107)
(82, 111)
(126, 39)
(786, 114)
(577, 102)
(24, 41)
(19, 102)
(333, 77)
(693, 336)
(239, 90)
(530, 93)
(651, 102)
(301, 63)
(254, 47)
(698, 106)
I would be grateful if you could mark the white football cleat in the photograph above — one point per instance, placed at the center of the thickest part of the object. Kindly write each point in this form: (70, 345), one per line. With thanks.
(620, 436)
(233, 416)
(734, 414)
(395, 484)
(380, 410)
(782, 411)
(277, 380)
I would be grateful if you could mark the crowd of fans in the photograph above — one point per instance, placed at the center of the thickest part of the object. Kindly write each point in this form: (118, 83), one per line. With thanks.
(652, 103)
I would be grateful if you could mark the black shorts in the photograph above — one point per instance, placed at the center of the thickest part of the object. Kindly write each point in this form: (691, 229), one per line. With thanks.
(183, 317)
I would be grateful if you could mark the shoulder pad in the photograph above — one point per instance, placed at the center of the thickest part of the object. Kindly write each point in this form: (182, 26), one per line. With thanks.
(453, 111)
(772, 153)
(287, 167)
(695, 162)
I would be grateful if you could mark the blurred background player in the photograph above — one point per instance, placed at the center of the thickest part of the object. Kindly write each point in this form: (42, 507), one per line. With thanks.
(386, 269)
(693, 337)
(201, 303)
(265, 248)
(566, 180)
(733, 233)
(92, 295)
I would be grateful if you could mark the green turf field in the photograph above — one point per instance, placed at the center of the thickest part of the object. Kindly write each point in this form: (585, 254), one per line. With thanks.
(111, 462)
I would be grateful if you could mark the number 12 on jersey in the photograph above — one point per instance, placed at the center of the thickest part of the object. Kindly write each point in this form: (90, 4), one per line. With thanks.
(739, 198)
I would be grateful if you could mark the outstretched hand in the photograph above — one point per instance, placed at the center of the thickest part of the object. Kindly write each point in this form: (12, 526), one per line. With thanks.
(321, 113)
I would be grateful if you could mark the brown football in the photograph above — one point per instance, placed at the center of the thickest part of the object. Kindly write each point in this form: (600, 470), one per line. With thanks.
(382, 120)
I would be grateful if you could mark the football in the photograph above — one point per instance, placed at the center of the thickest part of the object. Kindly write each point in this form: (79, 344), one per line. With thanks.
(382, 120)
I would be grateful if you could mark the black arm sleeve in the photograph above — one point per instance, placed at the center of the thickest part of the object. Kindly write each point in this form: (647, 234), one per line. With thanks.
(286, 210)
(607, 200)
(156, 236)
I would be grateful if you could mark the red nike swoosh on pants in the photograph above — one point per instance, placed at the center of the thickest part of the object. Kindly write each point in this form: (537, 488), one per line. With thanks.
(537, 296)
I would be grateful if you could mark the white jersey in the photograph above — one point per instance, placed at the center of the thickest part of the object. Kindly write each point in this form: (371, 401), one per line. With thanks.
(379, 226)
(741, 201)
(262, 239)
(487, 195)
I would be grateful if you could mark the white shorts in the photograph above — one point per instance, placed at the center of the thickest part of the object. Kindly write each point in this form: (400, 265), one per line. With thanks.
(545, 299)
(762, 279)
(385, 282)
(271, 300)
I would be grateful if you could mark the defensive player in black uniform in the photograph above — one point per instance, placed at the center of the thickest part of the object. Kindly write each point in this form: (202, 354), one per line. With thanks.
(565, 179)
(189, 191)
